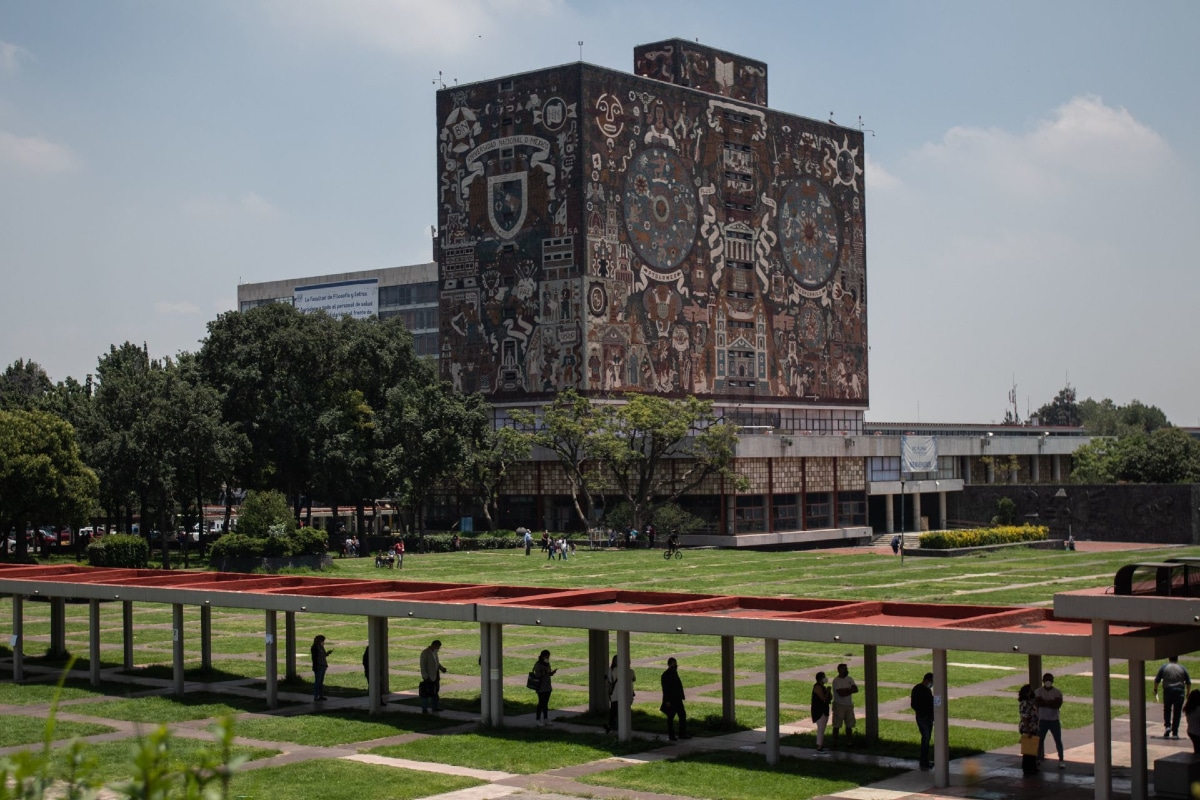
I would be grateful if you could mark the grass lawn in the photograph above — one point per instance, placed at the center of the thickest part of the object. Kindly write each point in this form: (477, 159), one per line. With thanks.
(166, 709)
(343, 780)
(32, 694)
(30, 730)
(741, 776)
(900, 739)
(114, 762)
(1004, 709)
(519, 750)
(517, 700)
(331, 728)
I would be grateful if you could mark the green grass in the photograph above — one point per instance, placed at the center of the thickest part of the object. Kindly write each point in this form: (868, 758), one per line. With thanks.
(332, 728)
(32, 694)
(517, 700)
(741, 776)
(900, 739)
(18, 730)
(343, 780)
(522, 751)
(115, 764)
(160, 709)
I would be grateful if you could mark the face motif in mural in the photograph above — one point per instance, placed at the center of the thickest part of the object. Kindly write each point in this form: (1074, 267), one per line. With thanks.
(662, 304)
(610, 115)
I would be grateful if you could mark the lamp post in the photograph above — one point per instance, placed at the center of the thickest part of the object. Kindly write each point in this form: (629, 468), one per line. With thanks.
(902, 518)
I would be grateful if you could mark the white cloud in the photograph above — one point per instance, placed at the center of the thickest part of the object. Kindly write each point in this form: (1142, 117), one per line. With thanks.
(407, 27)
(877, 177)
(249, 204)
(166, 307)
(11, 56)
(35, 154)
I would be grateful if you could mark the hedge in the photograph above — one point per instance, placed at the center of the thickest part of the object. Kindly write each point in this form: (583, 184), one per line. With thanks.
(1000, 534)
(119, 550)
(302, 542)
(443, 542)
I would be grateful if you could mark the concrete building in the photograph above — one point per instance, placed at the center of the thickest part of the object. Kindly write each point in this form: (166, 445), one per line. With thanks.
(409, 292)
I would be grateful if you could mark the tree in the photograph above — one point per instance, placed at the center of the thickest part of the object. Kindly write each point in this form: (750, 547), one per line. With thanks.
(1106, 418)
(42, 478)
(22, 385)
(1095, 462)
(264, 514)
(489, 461)
(1168, 455)
(658, 449)
(569, 424)
(1063, 410)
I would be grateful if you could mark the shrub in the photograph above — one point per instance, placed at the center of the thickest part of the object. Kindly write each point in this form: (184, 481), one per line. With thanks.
(119, 550)
(276, 544)
(263, 512)
(1001, 534)
(443, 542)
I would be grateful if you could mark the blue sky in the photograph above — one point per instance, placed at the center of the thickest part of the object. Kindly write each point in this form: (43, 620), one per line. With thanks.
(1031, 184)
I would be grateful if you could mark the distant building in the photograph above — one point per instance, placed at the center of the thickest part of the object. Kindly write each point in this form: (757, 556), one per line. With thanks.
(409, 292)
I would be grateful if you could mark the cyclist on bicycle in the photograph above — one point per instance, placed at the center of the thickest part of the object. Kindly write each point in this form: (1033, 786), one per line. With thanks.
(673, 541)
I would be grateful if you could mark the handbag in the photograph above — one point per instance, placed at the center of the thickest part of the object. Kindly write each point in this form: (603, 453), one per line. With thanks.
(1029, 744)
(425, 689)
(533, 682)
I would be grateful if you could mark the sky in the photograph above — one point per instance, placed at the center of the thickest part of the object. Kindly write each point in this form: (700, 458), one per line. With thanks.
(1031, 172)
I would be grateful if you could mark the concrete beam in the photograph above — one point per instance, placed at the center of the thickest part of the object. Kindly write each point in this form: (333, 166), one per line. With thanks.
(271, 656)
(871, 699)
(94, 642)
(941, 721)
(1102, 711)
(728, 682)
(177, 652)
(771, 651)
(17, 640)
(598, 660)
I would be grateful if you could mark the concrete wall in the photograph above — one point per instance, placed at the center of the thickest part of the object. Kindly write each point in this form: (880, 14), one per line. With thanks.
(1158, 513)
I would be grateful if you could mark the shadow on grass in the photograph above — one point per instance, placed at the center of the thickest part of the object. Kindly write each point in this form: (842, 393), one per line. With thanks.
(647, 722)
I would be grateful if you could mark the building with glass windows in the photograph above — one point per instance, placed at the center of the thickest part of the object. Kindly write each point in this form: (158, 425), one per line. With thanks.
(409, 292)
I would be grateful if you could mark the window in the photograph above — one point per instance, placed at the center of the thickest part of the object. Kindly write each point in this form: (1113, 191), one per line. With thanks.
(817, 510)
(506, 86)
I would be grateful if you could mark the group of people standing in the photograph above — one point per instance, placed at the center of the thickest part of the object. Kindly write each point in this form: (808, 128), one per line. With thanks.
(430, 666)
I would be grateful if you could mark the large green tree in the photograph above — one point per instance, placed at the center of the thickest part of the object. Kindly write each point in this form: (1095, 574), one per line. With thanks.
(22, 385)
(658, 449)
(1062, 410)
(567, 428)
(42, 478)
(488, 462)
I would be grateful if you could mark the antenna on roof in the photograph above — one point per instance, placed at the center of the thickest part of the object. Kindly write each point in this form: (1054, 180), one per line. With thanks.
(439, 80)
(580, 43)
(831, 122)
(860, 126)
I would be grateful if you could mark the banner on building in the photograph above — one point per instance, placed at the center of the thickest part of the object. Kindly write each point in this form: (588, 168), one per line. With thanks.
(918, 453)
(358, 299)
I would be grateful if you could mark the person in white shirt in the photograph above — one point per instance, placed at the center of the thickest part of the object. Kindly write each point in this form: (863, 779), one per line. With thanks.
(1049, 700)
(844, 689)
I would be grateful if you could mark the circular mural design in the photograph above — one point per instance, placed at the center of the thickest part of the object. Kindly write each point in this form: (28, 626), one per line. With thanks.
(597, 300)
(808, 233)
(660, 208)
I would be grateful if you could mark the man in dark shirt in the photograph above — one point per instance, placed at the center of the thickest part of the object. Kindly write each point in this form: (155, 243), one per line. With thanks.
(921, 702)
(672, 702)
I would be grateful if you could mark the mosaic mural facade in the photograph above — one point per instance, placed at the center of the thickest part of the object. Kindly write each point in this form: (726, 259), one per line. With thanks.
(611, 233)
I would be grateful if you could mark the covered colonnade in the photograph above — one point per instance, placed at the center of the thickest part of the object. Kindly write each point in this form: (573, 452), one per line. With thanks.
(939, 628)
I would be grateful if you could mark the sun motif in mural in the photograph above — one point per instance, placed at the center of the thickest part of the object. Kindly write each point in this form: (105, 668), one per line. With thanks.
(660, 208)
(808, 233)
(842, 163)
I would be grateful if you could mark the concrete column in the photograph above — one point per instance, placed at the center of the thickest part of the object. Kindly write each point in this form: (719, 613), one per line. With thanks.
(496, 645)
(127, 632)
(1014, 474)
(486, 674)
(94, 641)
(731, 514)
(966, 470)
(1102, 711)
(1035, 671)
(598, 699)
(916, 511)
(1137, 731)
(289, 645)
(206, 638)
(624, 713)
(374, 675)
(1035, 468)
(177, 646)
(871, 696)
(941, 721)
(991, 472)
(17, 642)
(942, 511)
(889, 506)
(271, 656)
(771, 646)
(1056, 468)
(58, 627)
(728, 678)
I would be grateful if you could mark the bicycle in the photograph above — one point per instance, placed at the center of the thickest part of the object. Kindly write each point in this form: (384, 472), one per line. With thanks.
(672, 550)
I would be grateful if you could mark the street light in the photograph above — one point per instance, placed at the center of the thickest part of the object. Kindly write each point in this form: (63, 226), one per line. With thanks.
(902, 518)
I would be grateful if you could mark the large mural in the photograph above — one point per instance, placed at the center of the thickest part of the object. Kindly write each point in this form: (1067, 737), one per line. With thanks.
(617, 233)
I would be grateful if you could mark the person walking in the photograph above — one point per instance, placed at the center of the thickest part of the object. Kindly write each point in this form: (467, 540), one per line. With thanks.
(1191, 710)
(542, 671)
(920, 700)
(821, 697)
(1176, 683)
(320, 662)
(844, 689)
(431, 676)
(399, 548)
(672, 702)
(617, 693)
(1048, 701)
(528, 541)
(1028, 726)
